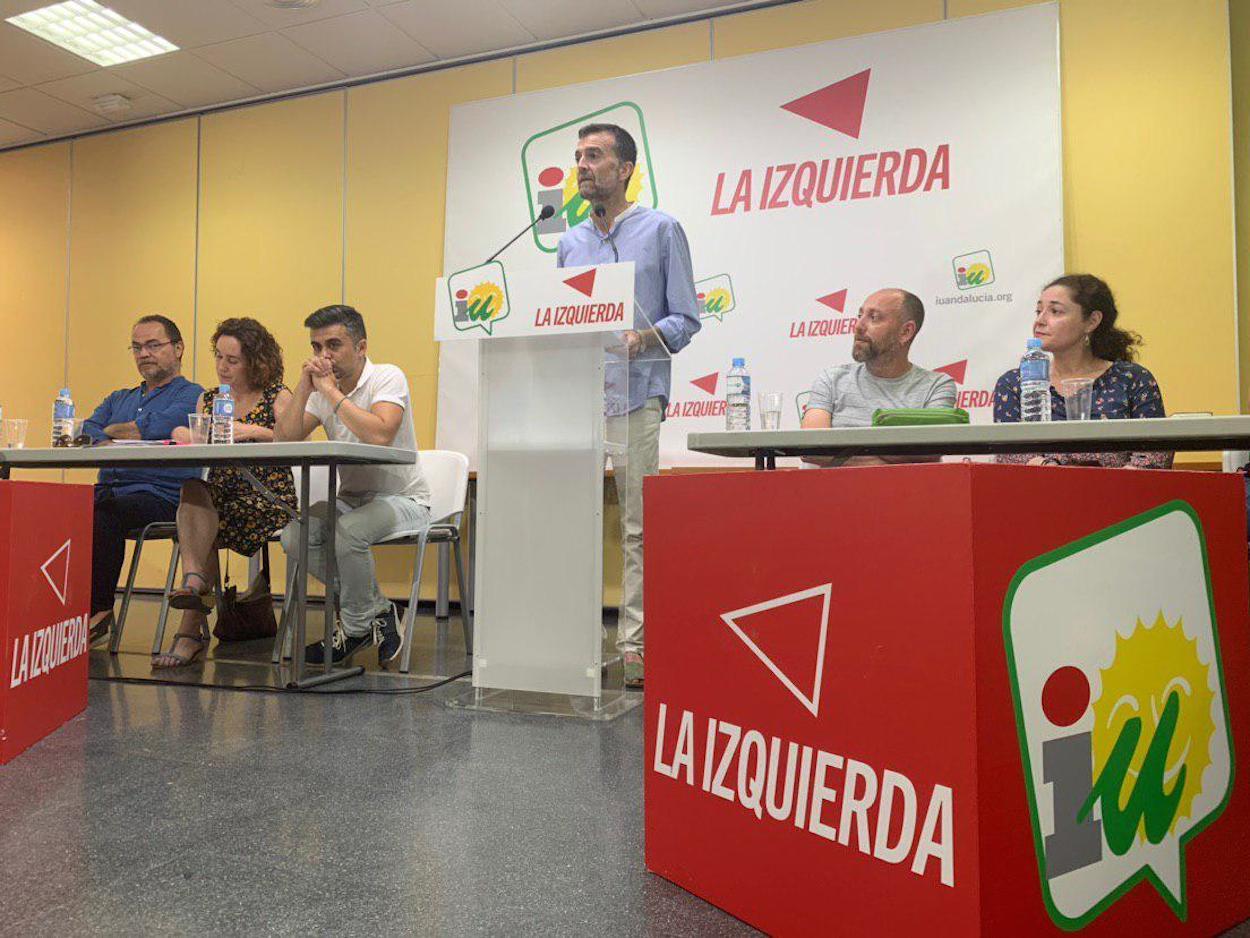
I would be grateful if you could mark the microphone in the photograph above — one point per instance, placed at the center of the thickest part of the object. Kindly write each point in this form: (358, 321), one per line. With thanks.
(600, 211)
(547, 211)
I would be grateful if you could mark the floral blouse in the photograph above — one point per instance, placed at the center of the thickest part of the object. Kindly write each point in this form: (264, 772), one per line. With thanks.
(1125, 390)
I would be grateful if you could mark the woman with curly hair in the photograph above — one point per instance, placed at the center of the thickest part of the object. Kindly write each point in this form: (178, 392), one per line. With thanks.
(1076, 321)
(225, 511)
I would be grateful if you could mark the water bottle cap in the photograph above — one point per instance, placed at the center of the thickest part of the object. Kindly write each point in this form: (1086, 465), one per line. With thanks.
(64, 392)
(1033, 343)
(740, 362)
(223, 389)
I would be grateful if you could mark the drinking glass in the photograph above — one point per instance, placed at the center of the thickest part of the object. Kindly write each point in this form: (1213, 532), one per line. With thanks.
(770, 410)
(1078, 397)
(200, 425)
(13, 433)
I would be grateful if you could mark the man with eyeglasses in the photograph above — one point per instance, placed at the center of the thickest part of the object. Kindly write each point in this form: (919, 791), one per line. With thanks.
(129, 499)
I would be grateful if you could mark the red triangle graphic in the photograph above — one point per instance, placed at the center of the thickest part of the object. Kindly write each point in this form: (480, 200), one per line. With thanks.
(839, 106)
(584, 283)
(788, 636)
(957, 370)
(835, 301)
(707, 382)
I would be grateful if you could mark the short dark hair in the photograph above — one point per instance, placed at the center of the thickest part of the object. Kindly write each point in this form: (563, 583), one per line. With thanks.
(911, 306)
(1108, 341)
(262, 356)
(339, 315)
(622, 142)
(172, 332)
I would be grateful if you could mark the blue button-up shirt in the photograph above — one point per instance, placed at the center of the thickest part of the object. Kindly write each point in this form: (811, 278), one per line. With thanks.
(664, 291)
(156, 413)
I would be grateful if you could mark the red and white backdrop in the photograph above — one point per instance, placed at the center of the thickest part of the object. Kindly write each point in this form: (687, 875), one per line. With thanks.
(927, 158)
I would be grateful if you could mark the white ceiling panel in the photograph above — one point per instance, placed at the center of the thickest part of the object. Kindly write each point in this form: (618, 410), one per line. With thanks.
(553, 19)
(12, 134)
(190, 23)
(282, 19)
(269, 61)
(181, 77)
(477, 26)
(28, 60)
(360, 43)
(44, 113)
(82, 91)
(655, 9)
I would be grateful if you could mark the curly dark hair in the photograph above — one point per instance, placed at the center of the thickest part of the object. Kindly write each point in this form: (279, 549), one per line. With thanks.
(261, 352)
(1107, 341)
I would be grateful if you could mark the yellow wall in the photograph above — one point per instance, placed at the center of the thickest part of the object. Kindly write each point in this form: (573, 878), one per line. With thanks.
(1239, 29)
(341, 195)
(34, 219)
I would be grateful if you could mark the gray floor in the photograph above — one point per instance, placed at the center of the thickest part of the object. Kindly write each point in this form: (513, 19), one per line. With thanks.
(182, 811)
(176, 810)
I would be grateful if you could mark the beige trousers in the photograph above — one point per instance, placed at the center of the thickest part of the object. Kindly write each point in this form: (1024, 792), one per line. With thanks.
(642, 458)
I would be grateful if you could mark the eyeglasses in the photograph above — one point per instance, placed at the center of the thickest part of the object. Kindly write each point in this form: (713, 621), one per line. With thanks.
(66, 440)
(149, 347)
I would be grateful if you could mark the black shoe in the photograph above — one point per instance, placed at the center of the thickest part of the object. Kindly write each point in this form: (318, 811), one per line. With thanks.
(100, 629)
(386, 632)
(343, 645)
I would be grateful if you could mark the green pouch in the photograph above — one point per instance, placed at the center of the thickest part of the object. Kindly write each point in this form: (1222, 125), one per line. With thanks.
(918, 416)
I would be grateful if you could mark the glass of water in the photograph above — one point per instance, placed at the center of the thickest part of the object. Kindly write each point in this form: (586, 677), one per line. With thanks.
(13, 433)
(1078, 397)
(770, 410)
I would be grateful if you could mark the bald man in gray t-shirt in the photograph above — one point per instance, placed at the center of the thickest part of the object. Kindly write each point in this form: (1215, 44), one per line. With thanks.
(881, 376)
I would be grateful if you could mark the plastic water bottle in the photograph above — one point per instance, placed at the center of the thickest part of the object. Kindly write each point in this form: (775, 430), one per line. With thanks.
(1035, 383)
(62, 417)
(223, 416)
(738, 397)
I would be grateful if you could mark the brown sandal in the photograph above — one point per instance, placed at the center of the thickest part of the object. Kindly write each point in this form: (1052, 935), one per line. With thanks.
(195, 600)
(166, 660)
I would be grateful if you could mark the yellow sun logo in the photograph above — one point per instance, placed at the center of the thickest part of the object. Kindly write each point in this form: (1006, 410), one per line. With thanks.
(978, 273)
(716, 300)
(485, 302)
(1135, 712)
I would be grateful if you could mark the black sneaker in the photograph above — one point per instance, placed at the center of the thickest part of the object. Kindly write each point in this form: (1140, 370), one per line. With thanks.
(343, 645)
(386, 632)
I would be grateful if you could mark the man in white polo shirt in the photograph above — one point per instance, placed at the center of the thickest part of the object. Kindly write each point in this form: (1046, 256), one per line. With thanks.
(356, 401)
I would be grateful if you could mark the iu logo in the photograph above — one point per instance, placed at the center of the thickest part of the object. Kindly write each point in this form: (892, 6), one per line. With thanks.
(479, 297)
(716, 296)
(551, 175)
(1115, 666)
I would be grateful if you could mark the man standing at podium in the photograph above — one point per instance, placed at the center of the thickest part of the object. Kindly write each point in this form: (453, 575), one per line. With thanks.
(666, 317)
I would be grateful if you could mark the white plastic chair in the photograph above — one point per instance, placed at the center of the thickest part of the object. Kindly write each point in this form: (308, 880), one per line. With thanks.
(447, 473)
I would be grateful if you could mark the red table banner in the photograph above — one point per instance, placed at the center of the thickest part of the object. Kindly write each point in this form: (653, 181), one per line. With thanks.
(45, 600)
(960, 698)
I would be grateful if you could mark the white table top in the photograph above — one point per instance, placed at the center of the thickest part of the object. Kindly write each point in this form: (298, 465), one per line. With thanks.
(318, 452)
(1161, 433)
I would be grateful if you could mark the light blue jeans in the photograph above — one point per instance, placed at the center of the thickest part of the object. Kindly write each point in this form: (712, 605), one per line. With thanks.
(361, 524)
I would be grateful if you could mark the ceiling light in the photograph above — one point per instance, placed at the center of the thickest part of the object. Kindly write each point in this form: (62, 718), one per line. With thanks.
(92, 31)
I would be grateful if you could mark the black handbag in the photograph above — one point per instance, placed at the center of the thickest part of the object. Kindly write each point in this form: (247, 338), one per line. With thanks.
(242, 620)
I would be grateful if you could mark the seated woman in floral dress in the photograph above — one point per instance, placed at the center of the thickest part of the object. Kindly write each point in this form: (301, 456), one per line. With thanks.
(225, 511)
